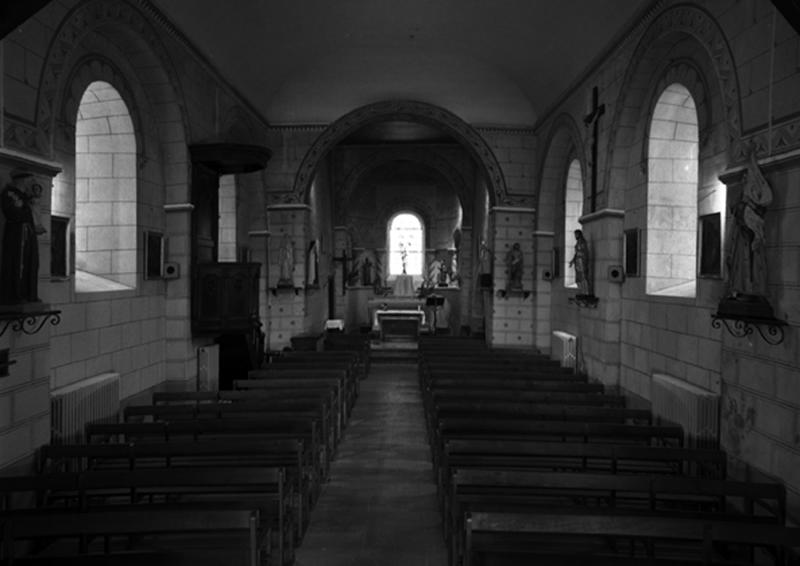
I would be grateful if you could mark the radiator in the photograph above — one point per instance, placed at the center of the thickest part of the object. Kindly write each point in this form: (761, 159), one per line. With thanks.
(72, 407)
(563, 348)
(694, 408)
(208, 368)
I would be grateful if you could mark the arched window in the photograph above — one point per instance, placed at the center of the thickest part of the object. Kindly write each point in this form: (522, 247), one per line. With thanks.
(406, 244)
(105, 192)
(573, 208)
(672, 165)
(226, 244)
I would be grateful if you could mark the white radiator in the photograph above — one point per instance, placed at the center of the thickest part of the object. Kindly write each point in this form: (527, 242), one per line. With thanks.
(208, 368)
(563, 347)
(694, 408)
(72, 407)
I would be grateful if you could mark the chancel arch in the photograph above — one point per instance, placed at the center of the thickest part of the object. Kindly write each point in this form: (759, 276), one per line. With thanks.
(406, 111)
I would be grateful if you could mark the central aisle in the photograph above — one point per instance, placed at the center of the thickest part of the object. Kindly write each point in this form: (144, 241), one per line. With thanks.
(379, 507)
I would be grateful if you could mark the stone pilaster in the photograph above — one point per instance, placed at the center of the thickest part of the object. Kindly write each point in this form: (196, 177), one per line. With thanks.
(287, 305)
(600, 328)
(511, 322)
(543, 273)
(341, 249)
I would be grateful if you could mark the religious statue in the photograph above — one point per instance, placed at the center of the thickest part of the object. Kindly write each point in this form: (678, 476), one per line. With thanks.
(581, 263)
(444, 273)
(435, 273)
(286, 262)
(19, 271)
(746, 259)
(312, 263)
(403, 257)
(514, 265)
(366, 270)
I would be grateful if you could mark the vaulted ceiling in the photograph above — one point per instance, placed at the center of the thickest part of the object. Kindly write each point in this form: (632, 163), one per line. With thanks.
(492, 62)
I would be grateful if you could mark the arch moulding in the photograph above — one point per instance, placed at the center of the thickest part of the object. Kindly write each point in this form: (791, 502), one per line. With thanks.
(437, 163)
(86, 18)
(563, 142)
(412, 111)
(700, 27)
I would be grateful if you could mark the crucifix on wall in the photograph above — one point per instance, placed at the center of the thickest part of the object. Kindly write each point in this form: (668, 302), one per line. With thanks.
(593, 119)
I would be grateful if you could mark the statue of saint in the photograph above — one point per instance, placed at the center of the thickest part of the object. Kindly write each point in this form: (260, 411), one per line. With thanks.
(581, 263)
(514, 264)
(286, 261)
(746, 259)
(366, 271)
(19, 271)
(312, 263)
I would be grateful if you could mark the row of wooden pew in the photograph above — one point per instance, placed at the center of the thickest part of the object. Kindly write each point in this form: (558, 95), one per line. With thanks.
(536, 464)
(224, 477)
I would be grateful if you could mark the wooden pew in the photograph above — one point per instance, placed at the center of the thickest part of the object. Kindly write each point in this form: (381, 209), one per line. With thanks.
(292, 378)
(313, 411)
(315, 366)
(576, 457)
(579, 456)
(358, 343)
(498, 429)
(502, 490)
(291, 455)
(326, 397)
(264, 428)
(495, 375)
(552, 397)
(221, 535)
(480, 410)
(246, 487)
(303, 385)
(577, 537)
(530, 383)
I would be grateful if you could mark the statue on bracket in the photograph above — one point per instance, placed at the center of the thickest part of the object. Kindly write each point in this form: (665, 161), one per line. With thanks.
(367, 270)
(286, 262)
(746, 260)
(19, 272)
(514, 265)
(312, 264)
(580, 261)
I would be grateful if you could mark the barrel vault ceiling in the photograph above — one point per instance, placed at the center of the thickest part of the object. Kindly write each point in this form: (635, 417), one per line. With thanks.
(493, 63)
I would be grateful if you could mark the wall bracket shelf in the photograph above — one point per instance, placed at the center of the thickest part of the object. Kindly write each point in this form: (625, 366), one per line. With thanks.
(505, 294)
(586, 301)
(770, 329)
(28, 322)
(285, 289)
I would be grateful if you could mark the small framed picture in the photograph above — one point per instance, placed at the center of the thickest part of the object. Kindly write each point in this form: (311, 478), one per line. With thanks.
(59, 246)
(631, 252)
(709, 243)
(153, 255)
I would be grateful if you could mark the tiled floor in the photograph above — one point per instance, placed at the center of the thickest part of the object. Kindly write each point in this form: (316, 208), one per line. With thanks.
(380, 506)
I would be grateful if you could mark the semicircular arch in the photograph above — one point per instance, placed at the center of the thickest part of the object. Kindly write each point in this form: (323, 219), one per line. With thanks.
(412, 111)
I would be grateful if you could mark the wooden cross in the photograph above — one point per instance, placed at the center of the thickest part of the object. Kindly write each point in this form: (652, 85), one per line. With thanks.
(594, 118)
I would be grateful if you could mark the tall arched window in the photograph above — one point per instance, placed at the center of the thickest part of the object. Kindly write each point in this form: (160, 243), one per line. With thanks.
(672, 165)
(573, 208)
(406, 244)
(105, 192)
(226, 238)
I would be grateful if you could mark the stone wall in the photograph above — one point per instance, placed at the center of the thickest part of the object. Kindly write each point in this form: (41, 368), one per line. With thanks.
(722, 53)
(174, 100)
